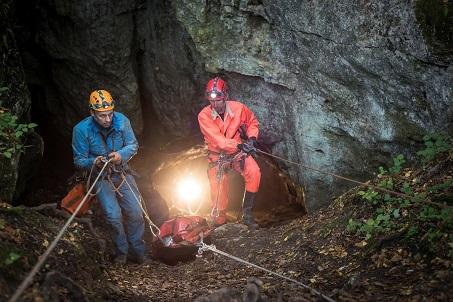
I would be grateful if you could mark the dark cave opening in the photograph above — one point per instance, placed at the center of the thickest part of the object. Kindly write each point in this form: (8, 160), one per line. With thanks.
(49, 185)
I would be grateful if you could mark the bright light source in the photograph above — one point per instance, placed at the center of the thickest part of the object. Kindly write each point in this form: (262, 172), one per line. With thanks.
(213, 95)
(189, 190)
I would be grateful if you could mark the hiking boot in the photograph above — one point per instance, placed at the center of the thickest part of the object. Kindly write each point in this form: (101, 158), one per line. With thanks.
(219, 220)
(248, 220)
(120, 259)
(247, 206)
(141, 260)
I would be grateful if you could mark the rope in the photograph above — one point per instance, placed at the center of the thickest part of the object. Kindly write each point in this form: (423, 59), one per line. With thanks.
(219, 177)
(139, 201)
(204, 247)
(44, 256)
(351, 180)
(221, 164)
(116, 189)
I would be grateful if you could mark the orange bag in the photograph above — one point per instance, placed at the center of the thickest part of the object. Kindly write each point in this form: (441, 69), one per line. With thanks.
(72, 200)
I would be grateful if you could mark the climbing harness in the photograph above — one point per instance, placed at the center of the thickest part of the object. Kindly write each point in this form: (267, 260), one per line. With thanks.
(203, 247)
(44, 256)
(114, 169)
(223, 164)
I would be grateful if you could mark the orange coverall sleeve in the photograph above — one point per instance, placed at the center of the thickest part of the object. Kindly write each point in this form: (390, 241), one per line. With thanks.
(251, 122)
(213, 135)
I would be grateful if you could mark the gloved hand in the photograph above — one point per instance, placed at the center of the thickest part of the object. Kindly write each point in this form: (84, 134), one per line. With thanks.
(116, 157)
(99, 161)
(249, 146)
(252, 141)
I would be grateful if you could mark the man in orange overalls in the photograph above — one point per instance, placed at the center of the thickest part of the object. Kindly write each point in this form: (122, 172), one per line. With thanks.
(223, 123)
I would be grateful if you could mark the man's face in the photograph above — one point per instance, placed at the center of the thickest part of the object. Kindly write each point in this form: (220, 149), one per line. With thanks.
(103, 118)
(219, 105)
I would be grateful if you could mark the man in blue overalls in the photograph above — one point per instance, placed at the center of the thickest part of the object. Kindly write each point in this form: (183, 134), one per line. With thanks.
(108, 135)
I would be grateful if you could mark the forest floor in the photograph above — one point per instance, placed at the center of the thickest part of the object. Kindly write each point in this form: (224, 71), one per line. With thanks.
(366, 246)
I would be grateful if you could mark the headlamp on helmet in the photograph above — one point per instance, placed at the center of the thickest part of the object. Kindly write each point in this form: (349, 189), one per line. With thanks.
(216, 89)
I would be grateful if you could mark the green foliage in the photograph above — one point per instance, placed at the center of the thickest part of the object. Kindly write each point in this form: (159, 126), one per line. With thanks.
(11, 258)
(382, 171)
(12, 134)
(382, 222)
(8, 255)
(412, 231)
(386, 183)
(2, 224)
(434, 144)
(427, 226)
(370, 196)
(398, 161)
(441, 187)
(444, 216)
(406, 189)
(353, 225)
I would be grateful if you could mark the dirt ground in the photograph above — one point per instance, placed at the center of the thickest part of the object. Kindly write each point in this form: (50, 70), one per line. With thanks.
(316, 250)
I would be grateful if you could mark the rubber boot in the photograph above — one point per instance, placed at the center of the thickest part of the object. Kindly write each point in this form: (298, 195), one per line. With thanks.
(220, 219)
(247, 206)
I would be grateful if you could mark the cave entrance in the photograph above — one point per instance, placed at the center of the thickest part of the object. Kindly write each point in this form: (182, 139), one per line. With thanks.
(278, 199)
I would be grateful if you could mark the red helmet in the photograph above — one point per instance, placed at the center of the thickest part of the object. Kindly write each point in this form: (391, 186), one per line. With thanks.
(216, 89)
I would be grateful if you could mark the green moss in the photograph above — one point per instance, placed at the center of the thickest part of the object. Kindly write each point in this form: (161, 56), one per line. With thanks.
(436, 21)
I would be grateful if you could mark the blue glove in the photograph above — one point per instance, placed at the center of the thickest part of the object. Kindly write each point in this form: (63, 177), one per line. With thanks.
(252, 141)
(249, 146)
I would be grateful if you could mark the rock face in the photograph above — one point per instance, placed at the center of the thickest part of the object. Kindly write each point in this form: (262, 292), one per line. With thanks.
(89, 46)
(340, 86)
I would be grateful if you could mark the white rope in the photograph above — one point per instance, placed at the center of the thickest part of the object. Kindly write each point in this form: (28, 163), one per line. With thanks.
(44, 256)
(139, 201)
(205, 247)
(221, 170)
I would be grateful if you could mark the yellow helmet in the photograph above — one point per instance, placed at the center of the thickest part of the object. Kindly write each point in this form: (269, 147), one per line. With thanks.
(101, 100)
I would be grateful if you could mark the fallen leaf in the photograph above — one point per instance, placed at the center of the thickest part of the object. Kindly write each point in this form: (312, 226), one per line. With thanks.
(406, 291)
(361, 244)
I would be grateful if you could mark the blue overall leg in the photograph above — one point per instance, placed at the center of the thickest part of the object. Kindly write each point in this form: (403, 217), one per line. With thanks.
(112, 211)
(133, 216)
